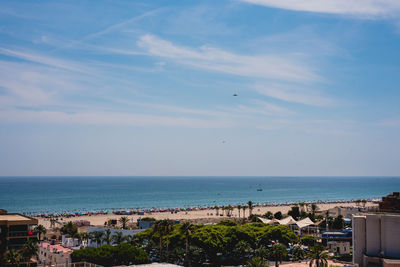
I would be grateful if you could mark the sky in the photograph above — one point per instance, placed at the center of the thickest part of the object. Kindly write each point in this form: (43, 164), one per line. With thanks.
(200, 88)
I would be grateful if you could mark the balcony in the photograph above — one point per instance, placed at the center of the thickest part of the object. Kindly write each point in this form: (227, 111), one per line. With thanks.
(21, 233)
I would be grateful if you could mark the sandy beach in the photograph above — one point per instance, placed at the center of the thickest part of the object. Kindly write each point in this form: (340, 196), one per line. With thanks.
(196, 216)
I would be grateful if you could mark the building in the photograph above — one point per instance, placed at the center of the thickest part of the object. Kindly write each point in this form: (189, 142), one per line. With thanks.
(54, 254)
(376, 240)
(15, 230)
(337, 236)
(390, 203)
(144, 224)
(339, 247)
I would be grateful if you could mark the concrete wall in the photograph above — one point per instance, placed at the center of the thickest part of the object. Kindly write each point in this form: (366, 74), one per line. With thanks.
(373, 238)
(359, 239)
(391, 236)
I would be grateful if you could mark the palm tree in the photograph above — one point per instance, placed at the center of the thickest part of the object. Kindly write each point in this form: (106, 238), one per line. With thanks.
(278, 252)
(84, 236)
(41, 230)
(13, 257)
(298, 253)
(318, 255)
(216, 210)
(187, 229)
(327, 220)
(364, 202)
(124, 220)
(96, 236)
(262, 252)
(131, 240)
(107, 237)
(158, 228)
(314, 208)
(29, 250)
(302, 204)
(257, 262)
(250, 204)
(239, 207)
(229, 209)
(168, 225)
(244, 211)
(118, 238)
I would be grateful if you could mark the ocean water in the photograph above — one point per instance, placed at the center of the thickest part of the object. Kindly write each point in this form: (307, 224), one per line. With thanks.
(59, 194)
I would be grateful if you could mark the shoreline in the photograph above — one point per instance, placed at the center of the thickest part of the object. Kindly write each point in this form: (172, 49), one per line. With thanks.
(132, 211)
(193, 213)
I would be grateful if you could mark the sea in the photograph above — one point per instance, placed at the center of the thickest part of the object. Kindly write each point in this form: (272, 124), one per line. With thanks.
(35, 195)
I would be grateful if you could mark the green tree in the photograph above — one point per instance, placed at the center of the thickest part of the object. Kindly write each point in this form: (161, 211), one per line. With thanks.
(278, 215)
(268, 215)
(294, 212)
(187, 229)
(338, 223)
(118, 238)
(107, 236)
(107, 255)
(278, 252)
(318, 256)
(126, 254)
(250, 204)
(168, 226)
(279, 233)
(13, 257)
(257, 262)
(314, 208)
(29, 250)
(239, 207)
(308, 241)
(158, 228)
(124, 221)
(96, 236)
(216, 210)
(298, 253)
(40, 230)
(69, 229)
(228, 223)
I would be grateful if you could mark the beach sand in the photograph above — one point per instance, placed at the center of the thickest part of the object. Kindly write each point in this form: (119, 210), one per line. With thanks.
(196, 216)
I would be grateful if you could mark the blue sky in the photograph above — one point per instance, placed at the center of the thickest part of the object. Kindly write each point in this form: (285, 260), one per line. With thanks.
(146, 87)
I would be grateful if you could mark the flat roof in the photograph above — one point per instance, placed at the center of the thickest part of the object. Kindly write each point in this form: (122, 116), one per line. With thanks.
(16, 219)
(13, 217)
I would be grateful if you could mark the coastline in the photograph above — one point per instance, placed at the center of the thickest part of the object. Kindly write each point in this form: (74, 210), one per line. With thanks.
(195, 214)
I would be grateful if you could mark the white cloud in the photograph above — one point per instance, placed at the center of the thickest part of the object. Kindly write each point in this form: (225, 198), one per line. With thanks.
(364, 8)
(45, 60)
(214, 59)
(294, 94)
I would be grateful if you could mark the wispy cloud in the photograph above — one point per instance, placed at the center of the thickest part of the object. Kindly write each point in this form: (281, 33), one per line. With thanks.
(214, 59)
(296, 94)
(45, 60)
(363, 8)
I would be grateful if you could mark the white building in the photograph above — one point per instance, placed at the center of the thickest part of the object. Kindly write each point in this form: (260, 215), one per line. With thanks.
(53, 254)
(376, 240)
(339, 247)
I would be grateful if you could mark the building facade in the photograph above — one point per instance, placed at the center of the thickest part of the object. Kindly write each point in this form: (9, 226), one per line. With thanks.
(49, 254)
(376, 240)
(390, 203)
(15, 231)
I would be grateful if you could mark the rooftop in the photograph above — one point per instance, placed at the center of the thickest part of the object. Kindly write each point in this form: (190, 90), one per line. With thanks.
(57, 247)
(13, 217)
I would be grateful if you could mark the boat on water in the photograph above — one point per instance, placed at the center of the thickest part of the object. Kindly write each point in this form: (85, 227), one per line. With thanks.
(259, 189)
